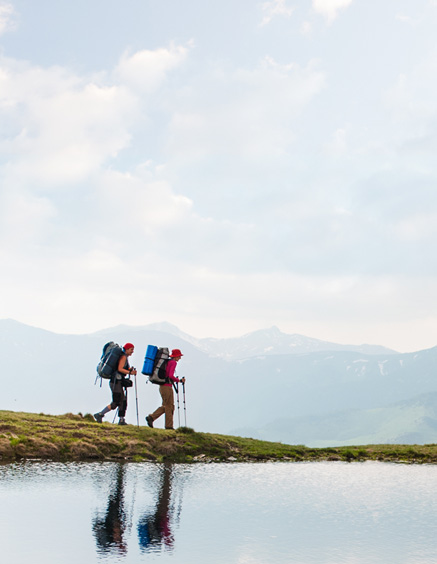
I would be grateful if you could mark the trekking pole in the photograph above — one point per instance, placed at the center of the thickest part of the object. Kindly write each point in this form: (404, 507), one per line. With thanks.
(185, 408)
(115, 415)
(136, 400)
(176, 387)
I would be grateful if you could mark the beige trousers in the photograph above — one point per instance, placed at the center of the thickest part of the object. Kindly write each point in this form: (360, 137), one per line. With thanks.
(167, 406)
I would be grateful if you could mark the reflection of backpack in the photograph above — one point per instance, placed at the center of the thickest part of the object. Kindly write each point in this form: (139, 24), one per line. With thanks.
(109, 360)
(159, 375)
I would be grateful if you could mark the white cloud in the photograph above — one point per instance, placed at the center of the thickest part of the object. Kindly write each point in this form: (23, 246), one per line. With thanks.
(59, 127)
(7, 17)
(275, 8)
(338, 144)
(417, 227)
(412, 108)
(155, 205)
(145, 70)
(25, 220)
(306, 28)
(62, 127)
(60, 132)
(248, 113)
(330, 8)
(407, 19)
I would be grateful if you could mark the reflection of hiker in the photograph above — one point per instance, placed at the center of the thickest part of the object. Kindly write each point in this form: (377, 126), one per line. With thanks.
(110, 529)
(155, 529)
(118, 385)
(166, 391)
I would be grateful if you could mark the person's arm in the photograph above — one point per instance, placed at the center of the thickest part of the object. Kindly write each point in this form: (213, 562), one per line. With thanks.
(121, 364)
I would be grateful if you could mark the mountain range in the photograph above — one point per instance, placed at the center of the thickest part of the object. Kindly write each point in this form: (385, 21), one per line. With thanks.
(265, 384)
(266, 341)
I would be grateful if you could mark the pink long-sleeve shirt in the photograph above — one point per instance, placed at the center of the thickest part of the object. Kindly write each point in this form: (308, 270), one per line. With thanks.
(170, 369)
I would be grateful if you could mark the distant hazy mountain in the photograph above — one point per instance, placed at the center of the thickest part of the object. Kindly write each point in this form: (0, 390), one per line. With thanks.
(248, 386)
(408, 422)
(263, 342)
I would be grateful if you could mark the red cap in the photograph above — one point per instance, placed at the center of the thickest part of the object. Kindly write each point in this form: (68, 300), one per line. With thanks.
(175, 353)
(128, 346)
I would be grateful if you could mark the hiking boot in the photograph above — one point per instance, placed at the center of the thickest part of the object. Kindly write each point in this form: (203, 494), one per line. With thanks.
(149, 421)
(98, 417)
(122, 421)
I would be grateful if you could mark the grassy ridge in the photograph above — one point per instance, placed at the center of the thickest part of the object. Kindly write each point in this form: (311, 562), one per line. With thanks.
(76, 437)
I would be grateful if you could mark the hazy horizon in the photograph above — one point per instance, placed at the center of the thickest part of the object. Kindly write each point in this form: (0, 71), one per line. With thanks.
(227, 166)
(162, 325)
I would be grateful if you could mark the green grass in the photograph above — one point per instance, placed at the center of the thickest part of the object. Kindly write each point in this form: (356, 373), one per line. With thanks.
(79, 437)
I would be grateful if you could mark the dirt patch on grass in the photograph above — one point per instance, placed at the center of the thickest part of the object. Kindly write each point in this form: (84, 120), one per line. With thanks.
(107, 443)
(8, 428)
(36, 448)
(84, 449)
(79, 435)
(74, 416)
(133, 446)
(6, 451)
(169, 447)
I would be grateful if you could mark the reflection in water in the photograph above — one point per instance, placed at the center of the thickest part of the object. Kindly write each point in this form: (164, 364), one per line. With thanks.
(154, 525)
(154, 529)
(110, 529)
(263, 513)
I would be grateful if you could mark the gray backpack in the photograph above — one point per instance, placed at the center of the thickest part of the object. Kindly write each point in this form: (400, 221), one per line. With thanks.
(158, 375)
(109, 360)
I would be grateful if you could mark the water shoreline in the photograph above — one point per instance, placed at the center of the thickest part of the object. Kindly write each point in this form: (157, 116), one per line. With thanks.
(77, 437)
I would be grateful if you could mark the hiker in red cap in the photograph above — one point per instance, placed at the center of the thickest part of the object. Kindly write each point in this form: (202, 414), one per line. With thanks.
(118, 385)
(166, 391)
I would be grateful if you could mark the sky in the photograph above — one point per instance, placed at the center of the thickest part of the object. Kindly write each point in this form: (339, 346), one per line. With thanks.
(225, 166)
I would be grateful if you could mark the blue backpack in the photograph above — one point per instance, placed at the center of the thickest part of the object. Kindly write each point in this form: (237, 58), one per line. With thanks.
(149, 360)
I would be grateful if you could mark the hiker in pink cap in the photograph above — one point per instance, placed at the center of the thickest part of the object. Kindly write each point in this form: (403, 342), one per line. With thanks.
(166, 391)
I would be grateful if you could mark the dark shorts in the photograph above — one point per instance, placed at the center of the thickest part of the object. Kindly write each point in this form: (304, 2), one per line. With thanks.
(119, 397)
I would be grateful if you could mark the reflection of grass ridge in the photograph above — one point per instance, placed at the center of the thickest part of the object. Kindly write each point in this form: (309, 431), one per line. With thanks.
(78, 437)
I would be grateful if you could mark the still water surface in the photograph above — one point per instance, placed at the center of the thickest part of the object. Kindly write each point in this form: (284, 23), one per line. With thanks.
(305, 513)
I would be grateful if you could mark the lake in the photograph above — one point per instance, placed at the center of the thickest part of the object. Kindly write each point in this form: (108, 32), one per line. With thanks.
(258, 513)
